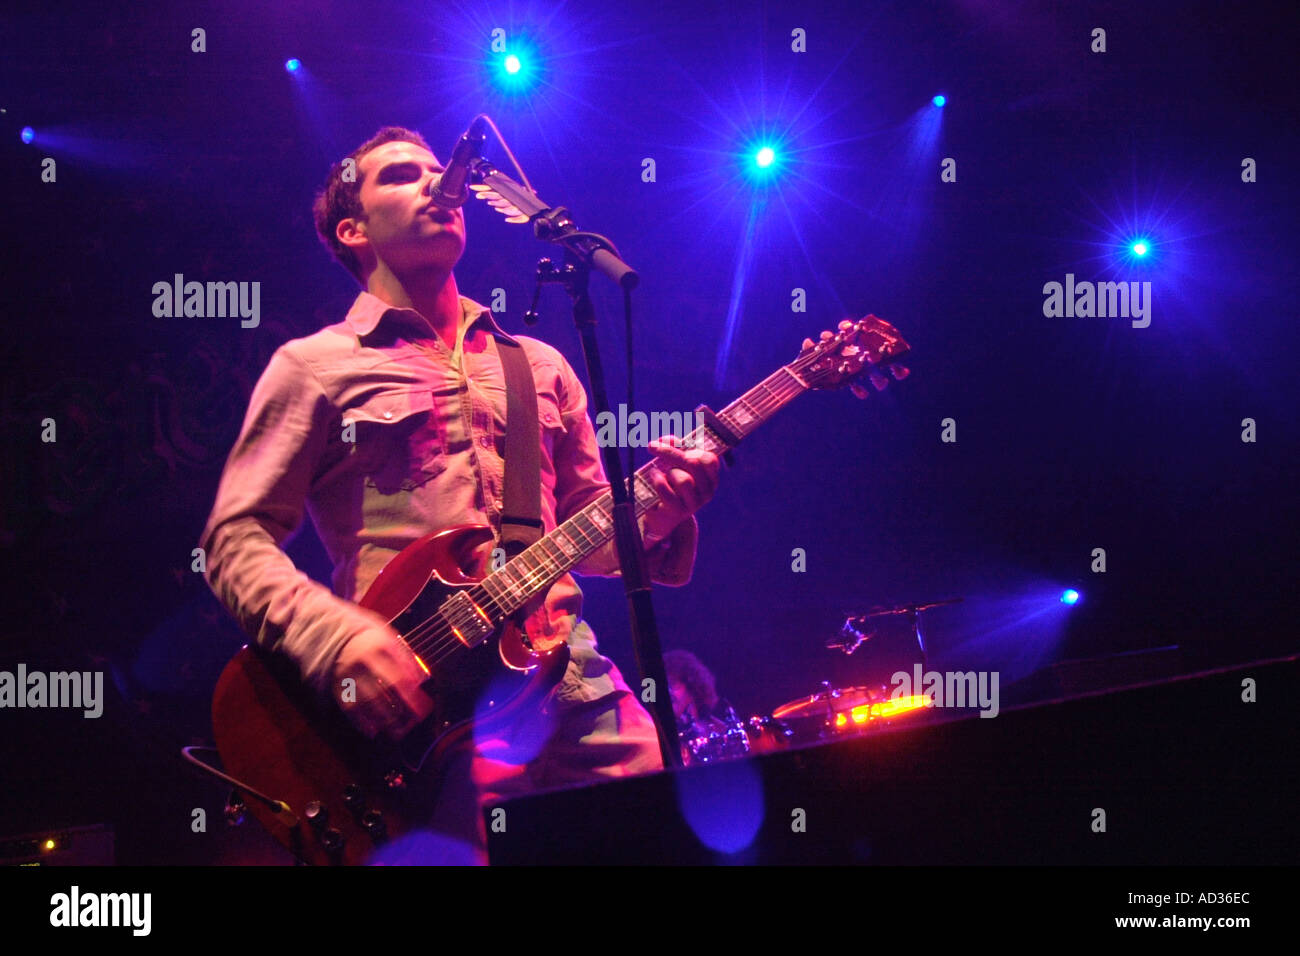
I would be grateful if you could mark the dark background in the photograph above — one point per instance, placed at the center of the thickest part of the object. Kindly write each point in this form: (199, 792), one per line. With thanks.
(1073, 433)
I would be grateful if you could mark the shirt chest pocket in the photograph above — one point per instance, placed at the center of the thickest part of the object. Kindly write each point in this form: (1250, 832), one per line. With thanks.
(399, 442)
(550, 424)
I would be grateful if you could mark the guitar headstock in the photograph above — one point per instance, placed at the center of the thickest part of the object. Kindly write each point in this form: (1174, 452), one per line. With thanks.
(864, 348)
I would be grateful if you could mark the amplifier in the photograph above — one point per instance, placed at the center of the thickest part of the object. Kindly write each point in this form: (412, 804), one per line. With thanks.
(60, 846)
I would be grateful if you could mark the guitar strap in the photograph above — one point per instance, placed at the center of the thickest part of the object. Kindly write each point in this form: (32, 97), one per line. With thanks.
(521, 506)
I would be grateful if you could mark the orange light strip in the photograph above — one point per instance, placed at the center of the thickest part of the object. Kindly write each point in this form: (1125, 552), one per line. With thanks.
(882, 710)
(903, 705)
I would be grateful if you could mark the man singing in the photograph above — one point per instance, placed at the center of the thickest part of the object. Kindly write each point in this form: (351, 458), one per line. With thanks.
(390, 425)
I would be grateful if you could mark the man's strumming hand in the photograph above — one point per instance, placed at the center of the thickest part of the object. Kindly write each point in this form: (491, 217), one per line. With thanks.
(386, 697)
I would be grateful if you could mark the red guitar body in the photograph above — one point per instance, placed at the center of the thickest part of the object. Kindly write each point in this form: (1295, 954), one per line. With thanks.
(346, 794)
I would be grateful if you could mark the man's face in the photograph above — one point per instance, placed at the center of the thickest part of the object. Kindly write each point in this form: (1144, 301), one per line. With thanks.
(400, 226)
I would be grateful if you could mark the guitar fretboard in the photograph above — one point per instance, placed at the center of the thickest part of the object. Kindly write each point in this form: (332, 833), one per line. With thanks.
(508, 589)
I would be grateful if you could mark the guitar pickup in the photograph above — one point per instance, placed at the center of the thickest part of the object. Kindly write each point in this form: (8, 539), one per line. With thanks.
(467, 620)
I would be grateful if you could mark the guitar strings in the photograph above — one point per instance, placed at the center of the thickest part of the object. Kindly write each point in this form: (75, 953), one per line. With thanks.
(534, 578)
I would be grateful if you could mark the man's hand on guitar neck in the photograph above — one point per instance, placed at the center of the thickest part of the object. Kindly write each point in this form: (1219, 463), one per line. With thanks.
(388, 698)
(685, 478)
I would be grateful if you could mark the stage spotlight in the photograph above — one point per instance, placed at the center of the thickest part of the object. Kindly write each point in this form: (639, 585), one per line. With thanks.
(1137, 250)
(1069, 596)
(518, 71)
(939, 100)
(760, 162)
(28, 134)
(292, 65)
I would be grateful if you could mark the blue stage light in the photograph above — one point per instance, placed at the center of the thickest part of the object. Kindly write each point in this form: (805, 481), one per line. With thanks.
(939, 100)
(28, 134)
(1069, 596)
(293, 65)
(519, 71)
(1141, 247)
(765, 157)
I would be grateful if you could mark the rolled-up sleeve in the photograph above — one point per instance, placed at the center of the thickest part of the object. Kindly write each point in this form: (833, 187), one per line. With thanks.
(580, 479)
(260, 502)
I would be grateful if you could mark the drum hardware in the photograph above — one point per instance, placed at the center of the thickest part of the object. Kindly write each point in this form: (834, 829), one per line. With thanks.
(831, 712)
(846, 710)
(767, 734)
(727, 737)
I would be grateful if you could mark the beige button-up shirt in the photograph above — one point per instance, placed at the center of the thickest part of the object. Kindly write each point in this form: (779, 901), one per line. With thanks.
(383, 434)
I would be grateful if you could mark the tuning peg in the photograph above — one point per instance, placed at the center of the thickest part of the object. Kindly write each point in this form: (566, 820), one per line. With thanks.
(899, 372)
(878, 380)
(858, 390)
(807, 344)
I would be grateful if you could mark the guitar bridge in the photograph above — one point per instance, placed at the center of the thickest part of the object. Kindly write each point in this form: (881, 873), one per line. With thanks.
(467, 620)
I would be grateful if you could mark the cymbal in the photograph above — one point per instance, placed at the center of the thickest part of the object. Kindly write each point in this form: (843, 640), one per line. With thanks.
(834, 700)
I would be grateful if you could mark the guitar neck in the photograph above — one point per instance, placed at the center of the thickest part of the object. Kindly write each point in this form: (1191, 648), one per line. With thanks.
(510, 588)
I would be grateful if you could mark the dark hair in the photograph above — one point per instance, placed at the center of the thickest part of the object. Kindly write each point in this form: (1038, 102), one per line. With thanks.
(341, 199)
(685, 668)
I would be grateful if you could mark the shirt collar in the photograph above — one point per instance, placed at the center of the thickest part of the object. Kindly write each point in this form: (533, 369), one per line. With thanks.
(369, 310)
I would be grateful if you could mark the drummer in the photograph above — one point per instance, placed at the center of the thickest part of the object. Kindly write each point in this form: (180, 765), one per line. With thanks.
(694, 693)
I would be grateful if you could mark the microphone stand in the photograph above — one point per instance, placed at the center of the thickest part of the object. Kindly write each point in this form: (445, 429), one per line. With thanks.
(851, 638)
(583, 251)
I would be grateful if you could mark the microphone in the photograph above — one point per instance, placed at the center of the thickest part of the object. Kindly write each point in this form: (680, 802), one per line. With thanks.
(451, 190)
(851, 637)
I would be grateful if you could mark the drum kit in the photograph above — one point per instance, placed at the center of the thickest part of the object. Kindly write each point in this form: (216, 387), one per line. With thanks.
(728, 737)
(831, 713)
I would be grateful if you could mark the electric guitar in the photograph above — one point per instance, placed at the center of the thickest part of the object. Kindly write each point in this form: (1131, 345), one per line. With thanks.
(331, 795)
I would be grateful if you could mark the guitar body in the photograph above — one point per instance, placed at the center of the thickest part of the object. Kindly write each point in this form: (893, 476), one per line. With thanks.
(348, 794)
